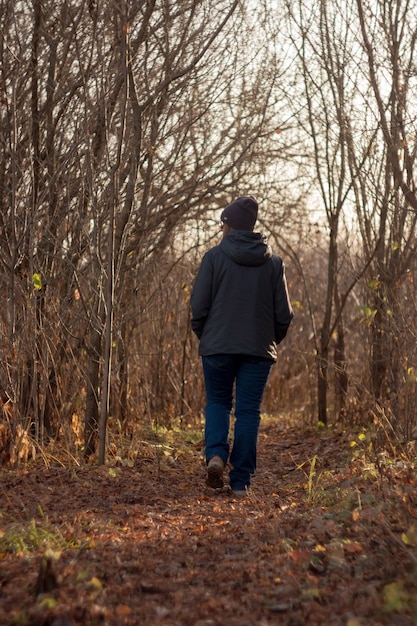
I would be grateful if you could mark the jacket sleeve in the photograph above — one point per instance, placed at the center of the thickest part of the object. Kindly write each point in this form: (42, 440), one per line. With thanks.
(283, 312)
(201, 296)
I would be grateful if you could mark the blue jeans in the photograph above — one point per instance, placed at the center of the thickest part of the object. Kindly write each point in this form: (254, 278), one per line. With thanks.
(221, 372)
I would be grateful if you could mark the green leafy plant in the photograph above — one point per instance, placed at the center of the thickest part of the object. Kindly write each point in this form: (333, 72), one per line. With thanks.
(368, 314)
(27, 539)
(313, 479)
(395, 597)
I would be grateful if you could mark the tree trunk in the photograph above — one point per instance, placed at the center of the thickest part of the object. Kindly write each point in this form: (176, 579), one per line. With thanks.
(325, 333)
(322, 383)
(91, 421)
(341, 378)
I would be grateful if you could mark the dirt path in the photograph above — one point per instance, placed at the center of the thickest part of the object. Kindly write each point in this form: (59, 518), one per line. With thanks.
(324, 538)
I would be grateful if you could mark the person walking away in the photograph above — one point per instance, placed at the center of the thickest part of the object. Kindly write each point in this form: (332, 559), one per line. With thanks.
(240, 313)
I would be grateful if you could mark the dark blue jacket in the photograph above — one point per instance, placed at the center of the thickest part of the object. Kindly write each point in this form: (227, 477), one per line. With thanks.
(240, 302)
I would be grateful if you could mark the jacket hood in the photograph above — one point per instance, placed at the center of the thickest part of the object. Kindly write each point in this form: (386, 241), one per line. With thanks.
(246, 247)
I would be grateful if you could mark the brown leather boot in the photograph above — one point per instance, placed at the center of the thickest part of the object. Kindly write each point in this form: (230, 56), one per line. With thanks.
(215, 469)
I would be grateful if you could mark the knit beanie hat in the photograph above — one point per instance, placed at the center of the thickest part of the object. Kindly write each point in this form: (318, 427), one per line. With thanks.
(241, 214)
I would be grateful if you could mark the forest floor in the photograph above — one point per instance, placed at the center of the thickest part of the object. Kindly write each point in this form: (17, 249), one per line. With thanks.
(327, 535)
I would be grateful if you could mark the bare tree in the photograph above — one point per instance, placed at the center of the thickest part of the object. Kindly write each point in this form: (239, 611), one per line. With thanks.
(388, 188)
(122, 122)
(358, 107)
(321, 37)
